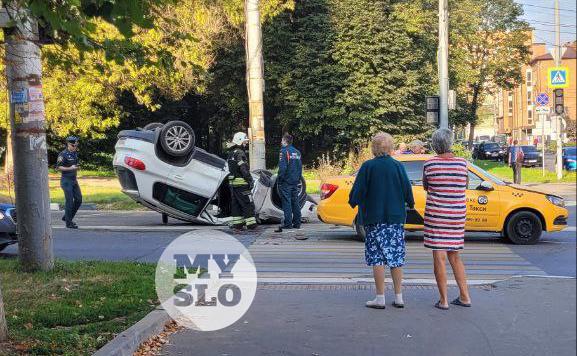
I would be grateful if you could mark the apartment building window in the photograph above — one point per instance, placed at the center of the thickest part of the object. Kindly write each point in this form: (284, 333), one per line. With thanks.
(530, 116)
(529, 78)
(529, 97)
(510, 104)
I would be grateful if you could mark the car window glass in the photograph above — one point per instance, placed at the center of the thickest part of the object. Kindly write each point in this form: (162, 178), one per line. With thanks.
(474, 181)
(528, 148)
(414, 171)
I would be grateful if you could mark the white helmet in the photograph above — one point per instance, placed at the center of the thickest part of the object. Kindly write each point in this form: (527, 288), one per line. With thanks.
(239, 139)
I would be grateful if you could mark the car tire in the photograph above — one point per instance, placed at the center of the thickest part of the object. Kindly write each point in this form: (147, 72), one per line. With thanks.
(523, 228)
(152, 126)
(361, 234)
(177, 138)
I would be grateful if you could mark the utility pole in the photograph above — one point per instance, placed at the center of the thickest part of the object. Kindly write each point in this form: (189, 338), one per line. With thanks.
(558, 54)
(443, 59)
(255, 85)
(24, 79)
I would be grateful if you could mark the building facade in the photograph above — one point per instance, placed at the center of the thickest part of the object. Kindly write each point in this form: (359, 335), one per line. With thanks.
(517, 117)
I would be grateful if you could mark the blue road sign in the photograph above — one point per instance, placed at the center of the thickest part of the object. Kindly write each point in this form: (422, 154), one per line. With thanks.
(558, 77)
(542, 99)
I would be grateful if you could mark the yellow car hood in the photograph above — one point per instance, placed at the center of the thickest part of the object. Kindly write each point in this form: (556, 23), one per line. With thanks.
(529, 189)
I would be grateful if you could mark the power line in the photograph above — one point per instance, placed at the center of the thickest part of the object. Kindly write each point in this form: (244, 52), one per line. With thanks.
(568, 33)
(545, 23)
(547, 7)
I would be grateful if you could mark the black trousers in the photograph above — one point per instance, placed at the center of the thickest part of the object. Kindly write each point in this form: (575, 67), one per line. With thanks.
(73, 197)
(242, 206)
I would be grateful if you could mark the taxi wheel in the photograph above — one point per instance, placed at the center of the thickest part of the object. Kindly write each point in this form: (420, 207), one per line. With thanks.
(524, 228)
(361, 234)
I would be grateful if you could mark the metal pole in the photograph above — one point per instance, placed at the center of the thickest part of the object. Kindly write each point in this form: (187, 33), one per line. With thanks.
(255, 85)
(559, 53)
(24, 79)
(443, 59)
(542, 119)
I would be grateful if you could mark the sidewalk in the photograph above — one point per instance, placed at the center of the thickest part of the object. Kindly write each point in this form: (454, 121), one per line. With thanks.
(566, 190)
(522, 316)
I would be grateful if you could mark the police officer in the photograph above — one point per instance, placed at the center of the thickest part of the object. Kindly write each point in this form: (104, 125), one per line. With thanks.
(68, 164)
(241, 184)
(289, 176)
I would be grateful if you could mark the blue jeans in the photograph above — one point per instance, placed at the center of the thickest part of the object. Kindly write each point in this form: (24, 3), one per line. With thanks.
(289, 195)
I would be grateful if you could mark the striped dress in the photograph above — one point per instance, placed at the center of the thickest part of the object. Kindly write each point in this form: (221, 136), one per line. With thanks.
(446, 207)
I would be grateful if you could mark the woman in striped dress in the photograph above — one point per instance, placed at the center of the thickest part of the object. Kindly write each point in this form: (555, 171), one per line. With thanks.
(445, 179)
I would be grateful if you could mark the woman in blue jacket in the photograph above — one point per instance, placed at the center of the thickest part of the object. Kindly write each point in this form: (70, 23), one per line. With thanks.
(382, 191)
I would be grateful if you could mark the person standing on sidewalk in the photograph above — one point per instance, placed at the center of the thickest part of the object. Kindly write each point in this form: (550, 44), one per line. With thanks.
(445, 179)
(241, 184)
(67, 164)
(382, 191)
(516, 157)
(290, 170)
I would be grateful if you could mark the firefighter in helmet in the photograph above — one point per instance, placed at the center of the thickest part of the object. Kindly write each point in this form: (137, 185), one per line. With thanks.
(241, 184)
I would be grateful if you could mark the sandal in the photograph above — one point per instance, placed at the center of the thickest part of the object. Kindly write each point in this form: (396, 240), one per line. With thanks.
(458, 302)
(442, 307)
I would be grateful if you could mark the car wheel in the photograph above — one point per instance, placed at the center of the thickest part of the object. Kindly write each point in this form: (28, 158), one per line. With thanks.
(360, 230)
(177, 138)
(524, 228)
(152, 126)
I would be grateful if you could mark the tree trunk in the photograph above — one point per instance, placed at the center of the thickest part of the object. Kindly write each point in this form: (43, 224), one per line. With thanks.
(24, 80)
(3, 326)
(8, 160)
(473, 113)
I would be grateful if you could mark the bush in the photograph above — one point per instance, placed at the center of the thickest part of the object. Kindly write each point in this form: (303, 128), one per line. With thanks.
(461, 151)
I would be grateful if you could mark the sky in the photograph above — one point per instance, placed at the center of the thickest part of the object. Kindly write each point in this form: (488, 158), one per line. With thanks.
(539, 14)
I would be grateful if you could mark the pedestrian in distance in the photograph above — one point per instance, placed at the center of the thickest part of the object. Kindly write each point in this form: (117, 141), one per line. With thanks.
(445, 179)
(417, 147)
(382, 191)
(68, 165)
(401, 149)
(241, 183)
(290, 170)
(516, 157)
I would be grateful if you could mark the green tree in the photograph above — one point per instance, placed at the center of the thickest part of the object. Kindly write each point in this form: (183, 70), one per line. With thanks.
(488, 46)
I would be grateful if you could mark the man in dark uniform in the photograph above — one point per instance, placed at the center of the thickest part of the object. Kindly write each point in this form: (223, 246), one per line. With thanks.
(289, 176)
(241, 184)
(68, 164)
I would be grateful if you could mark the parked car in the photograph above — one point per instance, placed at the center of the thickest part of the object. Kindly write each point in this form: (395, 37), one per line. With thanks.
(518, 212)
(533, 157)
(8, 235)
(488, 150)
(569, 158)
(160, 168)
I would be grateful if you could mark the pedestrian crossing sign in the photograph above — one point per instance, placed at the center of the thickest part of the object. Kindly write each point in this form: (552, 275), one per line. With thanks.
(558, 77)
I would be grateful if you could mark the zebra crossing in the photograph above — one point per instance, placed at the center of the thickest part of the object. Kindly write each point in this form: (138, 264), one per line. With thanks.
(331, 255)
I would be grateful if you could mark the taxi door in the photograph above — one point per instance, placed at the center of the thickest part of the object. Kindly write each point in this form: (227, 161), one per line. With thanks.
(483, 211)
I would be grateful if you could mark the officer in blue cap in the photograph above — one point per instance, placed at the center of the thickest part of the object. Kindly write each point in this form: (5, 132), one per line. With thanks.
(68, 164)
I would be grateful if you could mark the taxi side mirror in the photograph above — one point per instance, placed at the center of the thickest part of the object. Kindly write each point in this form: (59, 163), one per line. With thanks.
(485, 186)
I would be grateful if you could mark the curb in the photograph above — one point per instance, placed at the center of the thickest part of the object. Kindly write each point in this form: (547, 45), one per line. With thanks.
(127, 342)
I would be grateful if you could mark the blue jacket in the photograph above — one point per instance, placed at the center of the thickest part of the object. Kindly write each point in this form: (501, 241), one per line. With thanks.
(382, 191)
(290, 166)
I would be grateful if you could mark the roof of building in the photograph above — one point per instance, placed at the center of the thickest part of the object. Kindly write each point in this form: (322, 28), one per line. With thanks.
(569, 53)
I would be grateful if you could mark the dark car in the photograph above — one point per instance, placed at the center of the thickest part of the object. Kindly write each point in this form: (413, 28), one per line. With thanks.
(569, 158)
(489, 150)
(533, 157)
(8, 234)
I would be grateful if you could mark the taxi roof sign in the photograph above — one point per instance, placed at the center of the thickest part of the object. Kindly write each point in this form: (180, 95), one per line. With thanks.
(558, 77)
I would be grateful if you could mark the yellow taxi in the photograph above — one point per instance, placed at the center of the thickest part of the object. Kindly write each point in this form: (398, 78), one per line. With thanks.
(518, 212)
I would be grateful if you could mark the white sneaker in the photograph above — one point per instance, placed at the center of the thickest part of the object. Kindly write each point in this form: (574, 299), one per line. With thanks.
(375, 304)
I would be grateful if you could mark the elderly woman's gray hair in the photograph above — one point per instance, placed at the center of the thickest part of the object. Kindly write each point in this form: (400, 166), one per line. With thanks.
(382, 143)
(442, 141)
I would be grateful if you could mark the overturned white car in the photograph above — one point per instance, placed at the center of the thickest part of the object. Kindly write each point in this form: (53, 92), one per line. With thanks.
(160, 167)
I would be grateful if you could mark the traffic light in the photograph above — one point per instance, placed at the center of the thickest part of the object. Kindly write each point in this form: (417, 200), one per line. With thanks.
(558, 101)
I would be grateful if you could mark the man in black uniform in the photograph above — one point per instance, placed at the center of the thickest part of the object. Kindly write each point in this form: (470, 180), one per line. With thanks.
(68, 164)
(241, 184)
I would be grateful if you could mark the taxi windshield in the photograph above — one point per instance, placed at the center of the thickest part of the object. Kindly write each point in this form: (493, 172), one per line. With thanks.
(488, 175)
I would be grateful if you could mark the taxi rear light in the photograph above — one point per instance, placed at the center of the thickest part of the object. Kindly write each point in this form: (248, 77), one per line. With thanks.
(327, 190)
(134, 163)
